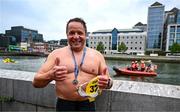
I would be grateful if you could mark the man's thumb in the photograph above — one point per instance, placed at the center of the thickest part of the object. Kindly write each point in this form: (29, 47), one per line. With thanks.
(104, 71)
(57, 61)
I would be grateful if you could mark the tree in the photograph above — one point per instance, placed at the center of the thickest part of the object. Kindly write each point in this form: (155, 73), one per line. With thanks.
(122, 47)
(175, 48)
(100, 47)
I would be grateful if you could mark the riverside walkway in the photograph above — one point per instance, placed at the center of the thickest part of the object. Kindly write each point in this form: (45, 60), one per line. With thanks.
(134, 57)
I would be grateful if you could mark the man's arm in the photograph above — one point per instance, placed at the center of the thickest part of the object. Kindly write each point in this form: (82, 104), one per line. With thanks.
(45, 73)
(105, 81)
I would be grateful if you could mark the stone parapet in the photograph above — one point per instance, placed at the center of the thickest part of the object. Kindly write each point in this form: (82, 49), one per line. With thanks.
(123, 96)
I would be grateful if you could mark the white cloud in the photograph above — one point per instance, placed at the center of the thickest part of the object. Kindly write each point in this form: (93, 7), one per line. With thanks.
(49, 17)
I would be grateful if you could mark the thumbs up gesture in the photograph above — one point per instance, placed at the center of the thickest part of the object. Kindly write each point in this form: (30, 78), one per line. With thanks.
(59, 71)
(103, 79)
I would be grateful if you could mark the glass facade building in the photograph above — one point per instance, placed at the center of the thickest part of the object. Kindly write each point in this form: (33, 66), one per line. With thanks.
(24, 35)
(172, 28)
(114, 39)
(155, 26)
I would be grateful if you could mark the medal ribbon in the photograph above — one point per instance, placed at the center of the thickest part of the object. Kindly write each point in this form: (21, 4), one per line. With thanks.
(76, 68)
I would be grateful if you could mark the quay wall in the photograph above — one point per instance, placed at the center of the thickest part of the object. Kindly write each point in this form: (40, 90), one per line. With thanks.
(19, 95)
(173, 59)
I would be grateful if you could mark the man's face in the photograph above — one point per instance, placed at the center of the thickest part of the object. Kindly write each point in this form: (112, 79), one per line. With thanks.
(76, 36)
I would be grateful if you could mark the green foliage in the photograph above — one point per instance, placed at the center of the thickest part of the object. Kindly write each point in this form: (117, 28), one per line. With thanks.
(6, 99)
(122, 47)
(100, 47)
(175, 48)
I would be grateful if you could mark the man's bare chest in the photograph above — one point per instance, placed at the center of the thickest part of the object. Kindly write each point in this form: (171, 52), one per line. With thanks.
(90, 65)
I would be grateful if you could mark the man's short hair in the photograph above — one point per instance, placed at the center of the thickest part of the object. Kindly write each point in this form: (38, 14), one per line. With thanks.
(80, 20)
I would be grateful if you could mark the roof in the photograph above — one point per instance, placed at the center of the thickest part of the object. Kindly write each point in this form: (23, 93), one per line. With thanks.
(156, 4)
(119, 30)
(139, 24)
(174, 9)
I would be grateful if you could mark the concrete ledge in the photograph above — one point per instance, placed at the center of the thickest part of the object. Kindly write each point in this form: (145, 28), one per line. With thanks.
(123, 96)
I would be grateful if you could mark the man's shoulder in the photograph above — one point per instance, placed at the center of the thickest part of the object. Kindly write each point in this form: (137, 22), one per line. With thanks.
(94, 51)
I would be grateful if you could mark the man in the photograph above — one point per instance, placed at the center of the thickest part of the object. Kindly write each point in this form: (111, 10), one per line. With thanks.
(72, 66)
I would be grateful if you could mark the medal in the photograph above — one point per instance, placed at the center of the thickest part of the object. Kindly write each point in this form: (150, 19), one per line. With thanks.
(75, 81)
(76, 68)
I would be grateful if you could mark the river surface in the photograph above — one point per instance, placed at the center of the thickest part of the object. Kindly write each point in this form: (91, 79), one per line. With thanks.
(168, 73)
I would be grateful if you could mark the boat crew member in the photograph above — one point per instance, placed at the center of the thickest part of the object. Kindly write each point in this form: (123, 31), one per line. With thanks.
(136, 65)
(143, 66)
(132, 66)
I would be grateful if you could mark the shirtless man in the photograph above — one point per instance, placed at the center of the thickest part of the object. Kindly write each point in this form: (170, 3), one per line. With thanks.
(72, 66)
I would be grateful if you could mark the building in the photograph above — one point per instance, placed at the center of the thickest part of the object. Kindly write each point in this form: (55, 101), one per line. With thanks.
(155, 23)
(54, 44)
(135, 42)
(39, 47)
(24, 35)
(171, 28)
(5, 41)
(134, 39)
(63, 42)
(141, 26)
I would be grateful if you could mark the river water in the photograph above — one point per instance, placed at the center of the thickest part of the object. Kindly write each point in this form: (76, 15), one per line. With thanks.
(168, 73)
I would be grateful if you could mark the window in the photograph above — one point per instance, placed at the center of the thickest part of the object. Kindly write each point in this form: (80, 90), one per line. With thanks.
(178, 29)
(172, 29)
(171, 19)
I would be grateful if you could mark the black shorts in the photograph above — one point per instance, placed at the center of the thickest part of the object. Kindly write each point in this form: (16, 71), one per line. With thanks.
(65, 105)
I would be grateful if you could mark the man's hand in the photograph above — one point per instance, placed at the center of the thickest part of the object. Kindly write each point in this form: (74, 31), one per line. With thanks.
(59, 73)
(103, 80)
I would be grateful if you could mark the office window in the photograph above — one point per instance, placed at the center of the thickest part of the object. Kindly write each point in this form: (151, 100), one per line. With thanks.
(178, 29)
(172, 29)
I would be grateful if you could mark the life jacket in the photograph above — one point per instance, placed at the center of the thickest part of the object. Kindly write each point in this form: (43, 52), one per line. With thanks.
(133, 65)
(143, 65)
(136, 65)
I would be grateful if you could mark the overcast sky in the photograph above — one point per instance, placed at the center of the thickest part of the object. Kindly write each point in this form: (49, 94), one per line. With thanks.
(49, 17)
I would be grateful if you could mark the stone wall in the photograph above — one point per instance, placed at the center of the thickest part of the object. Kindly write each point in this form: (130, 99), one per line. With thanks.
(123, 96)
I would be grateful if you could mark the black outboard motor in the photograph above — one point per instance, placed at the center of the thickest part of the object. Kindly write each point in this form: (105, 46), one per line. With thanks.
(115, 68)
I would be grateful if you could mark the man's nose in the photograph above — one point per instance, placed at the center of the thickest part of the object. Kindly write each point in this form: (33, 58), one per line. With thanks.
(76, 35)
